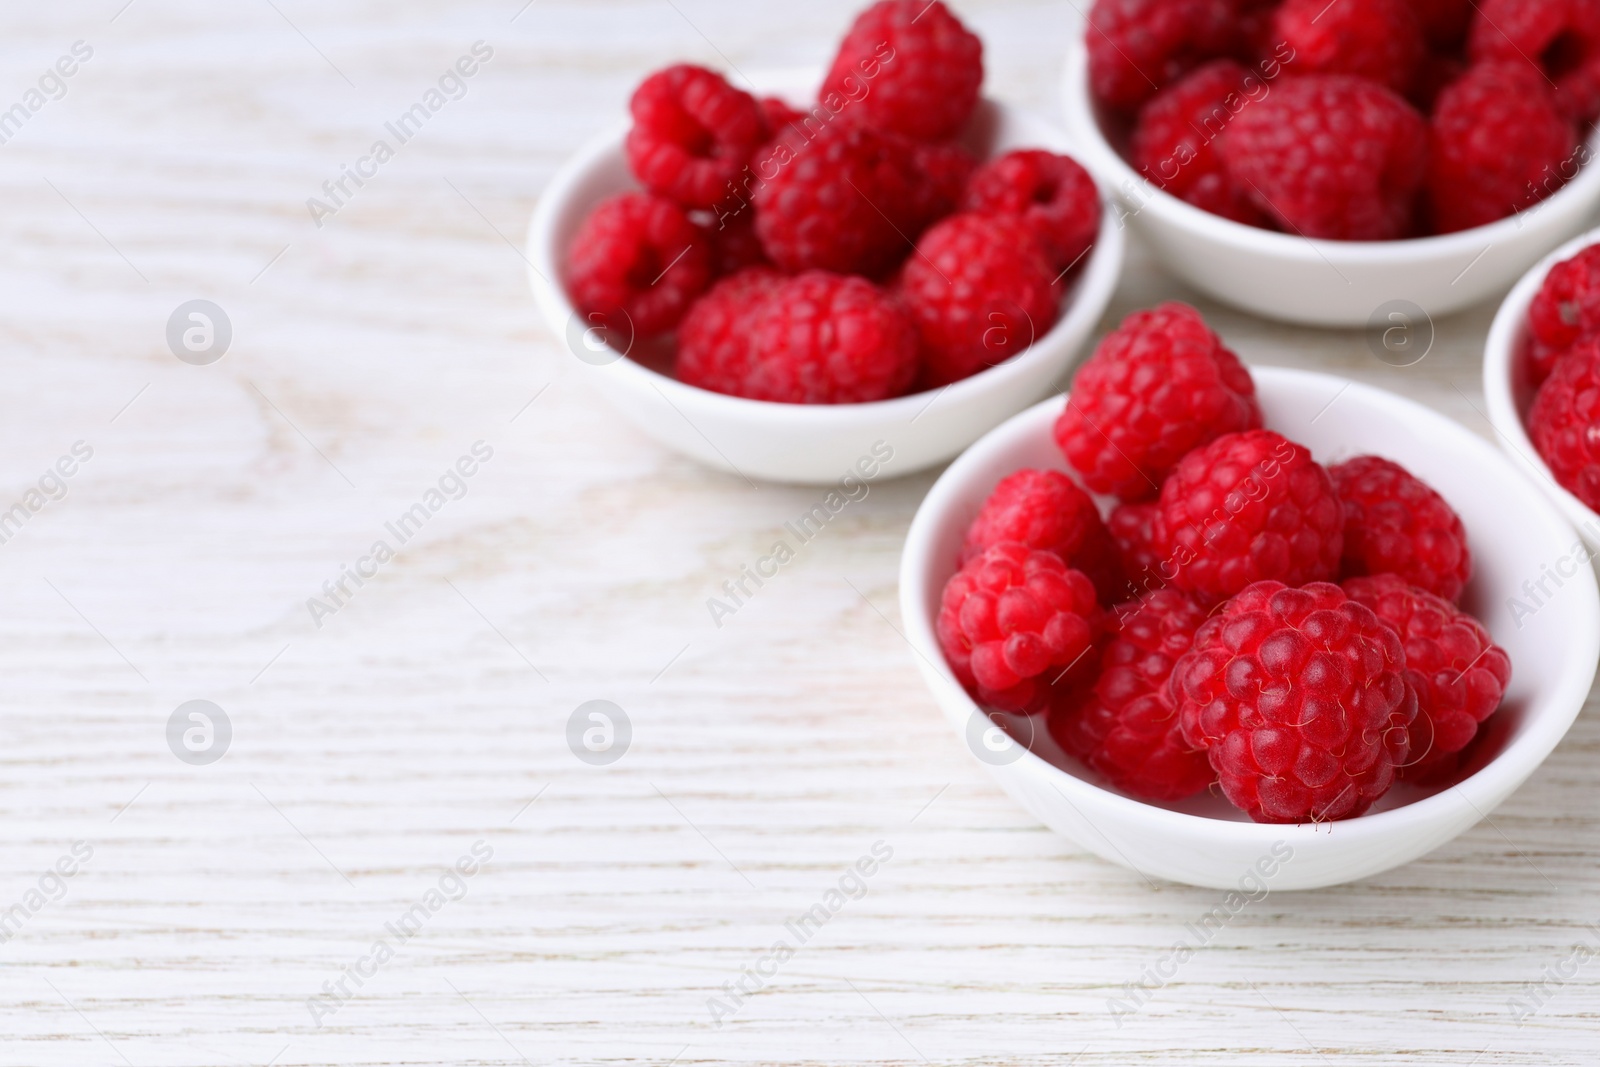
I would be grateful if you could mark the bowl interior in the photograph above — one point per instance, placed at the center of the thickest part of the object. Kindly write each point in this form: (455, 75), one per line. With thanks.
(1514, 533)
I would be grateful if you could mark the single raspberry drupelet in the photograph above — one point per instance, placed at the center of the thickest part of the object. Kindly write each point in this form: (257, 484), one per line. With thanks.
(1560, 38)
(910, 67)
(1136, 528)
(1330, 156)
(1564, 421)
(1567, 306)
(1395, 523)
(1459, 674)
(1380, 40)
(1300, 699)
(1498, 145)
(636, 264)
(692, 134)
(1174, 141)
(1127, 729)
(1159, 385)
(1138, 47)
(1053, 194)
(840, 198)
(981, 290)
(1048, 512)
(1250, 507)
(1012, 620)
(816, 338)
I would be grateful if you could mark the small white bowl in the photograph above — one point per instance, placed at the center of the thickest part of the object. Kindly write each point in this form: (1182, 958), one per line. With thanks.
(1205, 841)
(1318, 282)
(813, 443)
(1506, 388)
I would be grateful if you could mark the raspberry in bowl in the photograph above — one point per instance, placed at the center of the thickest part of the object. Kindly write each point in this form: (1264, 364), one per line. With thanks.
(1319, 163)
(785, 281)
(1271, 682)
(1539, 362)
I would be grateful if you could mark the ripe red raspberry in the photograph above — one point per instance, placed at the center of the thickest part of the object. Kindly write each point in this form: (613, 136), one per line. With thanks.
(1136, 528)
(1564, 421)
(816, 338)
(1300, 699)
(778, 115)
(1012, 620)
(1250, 507)
(1052, 194)
(910, 67)
(1138, 47)
(945, 169)
(1395, 523)
(1376, 39)
(1560, 37)
(836, 197)
(1459, 674)
(692, 134)
(981, 290)
(1158, 386)
(1539, 361)
(1498, 145)
(1174, 141)
(1048, 512)
(1567, 305)
(1127, 729)
(1331, 156)
(637, 262)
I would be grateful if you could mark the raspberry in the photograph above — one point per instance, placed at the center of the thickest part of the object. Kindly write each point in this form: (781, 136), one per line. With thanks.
(1052, 194)
(1300, 699)
(1331, 156)
(911, 68)
(1567, 305)
(1048, 512)
(1459, 674)
(1174, 140)
(1138, 47)
(1561, 38)
(692, 134)
(1498, 145)
(816, 338)
(981, 290)
(1127, 729)
(1136, 528)
(778, 115)
(1250, 507)
(1564, 421)
(1376, 39)
(945, 168)
(637, 263)
(839, 198)
(1158, 386)
(1539, 361)
(1395, 523)
(1012, 620)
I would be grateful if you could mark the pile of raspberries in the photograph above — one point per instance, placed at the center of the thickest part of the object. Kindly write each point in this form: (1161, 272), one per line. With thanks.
(850, 253)
(1359, 120)
(1245, 617)
(1561, 361)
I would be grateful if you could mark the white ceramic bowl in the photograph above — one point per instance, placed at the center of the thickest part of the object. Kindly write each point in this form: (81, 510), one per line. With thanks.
(1316, 282)
(1205, 841)
(1506, 388)
(814, 443)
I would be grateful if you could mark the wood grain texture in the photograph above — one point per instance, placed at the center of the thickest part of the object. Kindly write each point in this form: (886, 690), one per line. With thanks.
(428, 714)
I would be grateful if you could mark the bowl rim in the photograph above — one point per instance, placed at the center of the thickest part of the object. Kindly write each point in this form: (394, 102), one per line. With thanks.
(1499, 389)
(1492, 783)
(1098, 278)
(1119, 176)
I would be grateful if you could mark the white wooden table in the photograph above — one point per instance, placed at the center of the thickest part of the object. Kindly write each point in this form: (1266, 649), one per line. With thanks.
(429, 712)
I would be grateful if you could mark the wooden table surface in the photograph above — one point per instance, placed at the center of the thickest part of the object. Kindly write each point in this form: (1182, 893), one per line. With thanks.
(246, 911)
